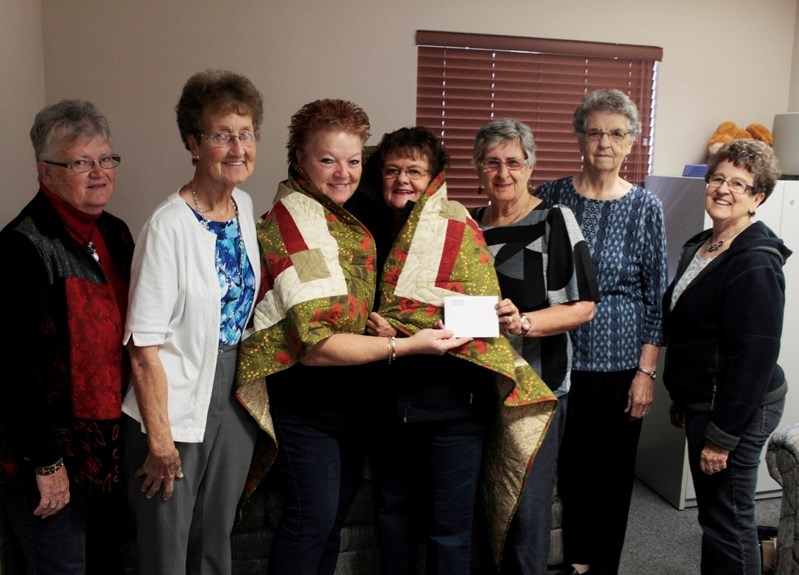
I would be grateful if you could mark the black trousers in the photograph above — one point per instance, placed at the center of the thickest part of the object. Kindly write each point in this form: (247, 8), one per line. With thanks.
(596, 469)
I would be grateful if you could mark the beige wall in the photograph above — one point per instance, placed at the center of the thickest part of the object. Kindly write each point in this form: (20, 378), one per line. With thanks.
(793, 95)
(723, 60)
(21, 96)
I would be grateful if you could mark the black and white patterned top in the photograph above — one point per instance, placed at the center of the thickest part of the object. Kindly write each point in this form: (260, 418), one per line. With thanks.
(542, 260)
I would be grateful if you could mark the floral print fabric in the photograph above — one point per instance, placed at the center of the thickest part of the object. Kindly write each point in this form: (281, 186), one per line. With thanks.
(319, 278)
(236, 280)
(441, 251)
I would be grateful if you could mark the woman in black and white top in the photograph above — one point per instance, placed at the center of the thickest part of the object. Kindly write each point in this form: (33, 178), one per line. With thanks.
(548, 282)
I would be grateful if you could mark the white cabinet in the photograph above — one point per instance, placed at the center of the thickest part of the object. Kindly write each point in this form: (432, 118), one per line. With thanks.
(662, 461)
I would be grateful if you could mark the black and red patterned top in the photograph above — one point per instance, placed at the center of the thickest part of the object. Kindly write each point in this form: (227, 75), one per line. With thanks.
(64, 366)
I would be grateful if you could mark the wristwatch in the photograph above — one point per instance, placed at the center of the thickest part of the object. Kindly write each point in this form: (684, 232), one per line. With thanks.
(526, 325)
(652, 374)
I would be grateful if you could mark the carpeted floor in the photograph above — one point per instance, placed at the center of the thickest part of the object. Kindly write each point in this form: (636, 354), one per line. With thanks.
(662, 540)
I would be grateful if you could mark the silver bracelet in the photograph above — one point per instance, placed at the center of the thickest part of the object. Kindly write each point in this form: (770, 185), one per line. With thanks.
(392, 349)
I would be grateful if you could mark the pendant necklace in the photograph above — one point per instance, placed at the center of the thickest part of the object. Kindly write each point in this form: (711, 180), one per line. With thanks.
(88, 244)
(711, 247)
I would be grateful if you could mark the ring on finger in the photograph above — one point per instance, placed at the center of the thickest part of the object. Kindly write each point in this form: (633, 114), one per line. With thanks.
(510, 319)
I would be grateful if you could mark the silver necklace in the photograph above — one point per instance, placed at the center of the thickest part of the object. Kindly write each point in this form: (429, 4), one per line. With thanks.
(88, 244)
(713, 246)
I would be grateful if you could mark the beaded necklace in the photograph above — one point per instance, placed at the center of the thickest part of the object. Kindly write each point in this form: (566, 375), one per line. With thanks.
(238, 279)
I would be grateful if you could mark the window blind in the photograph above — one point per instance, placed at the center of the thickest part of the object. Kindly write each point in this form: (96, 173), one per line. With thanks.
(466, 80)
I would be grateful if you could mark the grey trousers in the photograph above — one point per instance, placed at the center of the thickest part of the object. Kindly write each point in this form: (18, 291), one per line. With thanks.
(190, 533)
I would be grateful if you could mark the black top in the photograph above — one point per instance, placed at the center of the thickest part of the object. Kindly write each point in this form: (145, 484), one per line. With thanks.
(723, 334)
(65, 367)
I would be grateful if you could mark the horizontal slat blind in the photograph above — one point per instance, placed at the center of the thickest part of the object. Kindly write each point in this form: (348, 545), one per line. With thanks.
(460, 87)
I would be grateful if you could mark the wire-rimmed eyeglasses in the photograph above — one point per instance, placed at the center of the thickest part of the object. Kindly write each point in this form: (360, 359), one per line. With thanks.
(413, 172)
(735, 186)
(222, 139)
(494, 164)
(82, 165)
(615, 136)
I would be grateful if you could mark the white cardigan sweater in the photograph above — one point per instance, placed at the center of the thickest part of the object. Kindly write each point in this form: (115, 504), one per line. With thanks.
(174, 303)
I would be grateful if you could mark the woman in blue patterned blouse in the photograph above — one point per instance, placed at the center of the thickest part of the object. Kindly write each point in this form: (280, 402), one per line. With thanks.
(615, 355)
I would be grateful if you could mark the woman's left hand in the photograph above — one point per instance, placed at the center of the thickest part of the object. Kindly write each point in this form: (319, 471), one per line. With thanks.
(713, 458)
(640, 396)
(378, 326)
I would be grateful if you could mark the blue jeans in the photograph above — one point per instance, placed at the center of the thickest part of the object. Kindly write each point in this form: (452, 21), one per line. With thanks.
(318, 472)
(84, 538)
(527, 543)
(726, 500)
(427, 472)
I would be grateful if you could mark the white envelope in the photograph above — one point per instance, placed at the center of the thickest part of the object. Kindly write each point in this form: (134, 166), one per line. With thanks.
(471, 316)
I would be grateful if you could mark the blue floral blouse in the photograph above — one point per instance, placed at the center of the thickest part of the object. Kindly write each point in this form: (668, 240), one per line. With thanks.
(236, 279)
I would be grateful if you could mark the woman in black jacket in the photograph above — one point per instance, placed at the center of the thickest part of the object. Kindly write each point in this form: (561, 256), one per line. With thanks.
(64, 366)
(724, 314)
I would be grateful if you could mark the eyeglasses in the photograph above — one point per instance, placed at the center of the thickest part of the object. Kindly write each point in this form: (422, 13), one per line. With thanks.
(412, 173)
(222, 139)
(735, 186)
(493, 164)
(615, 136)
(82, 165)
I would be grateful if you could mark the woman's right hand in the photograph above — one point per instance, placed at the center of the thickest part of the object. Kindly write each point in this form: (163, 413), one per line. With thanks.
(54, 492)
(677, 414)
(160, 470)
(433, 341)
(162, 464)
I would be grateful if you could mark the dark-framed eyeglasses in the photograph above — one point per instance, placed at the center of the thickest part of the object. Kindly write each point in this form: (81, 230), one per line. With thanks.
(222, 139)
(615, 136)
(735, 186)
(82, 165)
(494, 164)
(413, 172)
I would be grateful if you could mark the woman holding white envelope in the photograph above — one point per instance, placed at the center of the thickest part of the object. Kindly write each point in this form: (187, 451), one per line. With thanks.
(544, 268)
(433, 413)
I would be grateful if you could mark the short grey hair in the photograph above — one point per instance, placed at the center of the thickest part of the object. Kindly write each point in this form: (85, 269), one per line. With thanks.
(498, 132)
(608, 100)
(60, 124)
